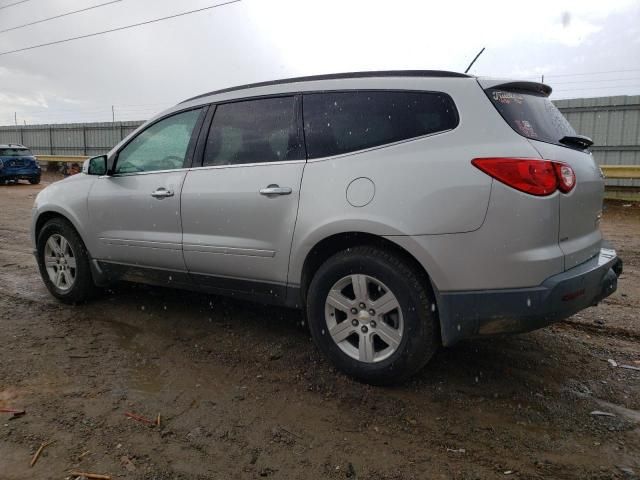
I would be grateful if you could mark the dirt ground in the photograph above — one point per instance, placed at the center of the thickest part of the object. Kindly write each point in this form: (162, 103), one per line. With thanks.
(243, 393)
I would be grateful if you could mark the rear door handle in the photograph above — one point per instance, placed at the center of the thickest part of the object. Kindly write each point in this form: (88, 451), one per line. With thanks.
(274, 189)
(162, 193)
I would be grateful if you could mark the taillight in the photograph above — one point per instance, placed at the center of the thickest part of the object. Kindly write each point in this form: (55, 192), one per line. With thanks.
(566, 177)
(532, 176)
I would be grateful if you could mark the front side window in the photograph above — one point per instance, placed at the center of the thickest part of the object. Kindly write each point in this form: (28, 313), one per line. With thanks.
(162, 146)
(342, 122)
(254, 131)
(15, 152)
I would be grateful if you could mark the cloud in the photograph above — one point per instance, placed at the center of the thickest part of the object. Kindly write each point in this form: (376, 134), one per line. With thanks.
(143, 70)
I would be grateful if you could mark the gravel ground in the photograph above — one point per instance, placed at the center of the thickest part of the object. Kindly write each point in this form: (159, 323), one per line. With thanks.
(243, 393)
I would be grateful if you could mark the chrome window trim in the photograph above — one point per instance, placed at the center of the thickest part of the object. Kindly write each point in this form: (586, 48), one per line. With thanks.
(255, 164)
(131, 174)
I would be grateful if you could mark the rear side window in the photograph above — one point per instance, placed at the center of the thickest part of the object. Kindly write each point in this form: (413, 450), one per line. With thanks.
(254, 131)
(342, 122)
(15, 152)
(531, 114)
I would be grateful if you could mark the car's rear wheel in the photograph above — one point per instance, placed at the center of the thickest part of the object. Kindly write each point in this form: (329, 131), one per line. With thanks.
(34, 180)
(64, 262)
(371, 313)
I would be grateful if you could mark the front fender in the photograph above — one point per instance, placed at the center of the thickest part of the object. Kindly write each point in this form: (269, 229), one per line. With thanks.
(67, 198)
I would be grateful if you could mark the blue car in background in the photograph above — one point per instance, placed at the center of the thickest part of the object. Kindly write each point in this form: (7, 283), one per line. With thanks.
(18, 163)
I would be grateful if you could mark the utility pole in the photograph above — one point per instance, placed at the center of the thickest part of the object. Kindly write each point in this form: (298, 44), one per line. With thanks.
(15, 118)
(113, 114)
(542, 80)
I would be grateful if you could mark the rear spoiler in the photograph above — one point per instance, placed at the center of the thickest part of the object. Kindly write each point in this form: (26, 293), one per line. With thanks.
(533, 87)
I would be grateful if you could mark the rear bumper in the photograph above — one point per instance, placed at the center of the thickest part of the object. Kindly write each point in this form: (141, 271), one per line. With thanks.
(489, 312)
(19, 173)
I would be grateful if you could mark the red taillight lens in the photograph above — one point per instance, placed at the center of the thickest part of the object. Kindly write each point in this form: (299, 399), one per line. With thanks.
(566, 177)
(532, 176)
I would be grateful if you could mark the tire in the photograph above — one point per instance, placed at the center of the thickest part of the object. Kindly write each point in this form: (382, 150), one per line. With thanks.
(34, 180)
(399, 339)
(77, 285)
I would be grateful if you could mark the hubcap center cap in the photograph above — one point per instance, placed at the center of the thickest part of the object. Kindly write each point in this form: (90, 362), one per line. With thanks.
(364, 316)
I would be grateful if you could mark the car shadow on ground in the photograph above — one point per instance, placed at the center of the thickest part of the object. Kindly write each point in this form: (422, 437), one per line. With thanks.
(518, 360)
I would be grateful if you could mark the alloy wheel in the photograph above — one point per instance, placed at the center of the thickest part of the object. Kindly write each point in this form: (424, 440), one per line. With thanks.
(60, 262)
(364, 318)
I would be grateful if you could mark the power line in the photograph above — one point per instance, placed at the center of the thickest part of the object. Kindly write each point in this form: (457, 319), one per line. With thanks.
(119, 28)
(13, 4)
(598, 88)
(590, 73)
(578, 74)
(603, 80)
(58, 16)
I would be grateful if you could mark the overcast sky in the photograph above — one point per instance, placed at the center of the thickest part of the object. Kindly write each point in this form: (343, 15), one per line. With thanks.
(583, 48)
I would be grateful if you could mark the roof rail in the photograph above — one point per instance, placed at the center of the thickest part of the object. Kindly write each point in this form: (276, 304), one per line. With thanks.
(333, 76)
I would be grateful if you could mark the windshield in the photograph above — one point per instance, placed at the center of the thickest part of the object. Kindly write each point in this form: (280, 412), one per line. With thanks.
(15, 152)
(532, 115)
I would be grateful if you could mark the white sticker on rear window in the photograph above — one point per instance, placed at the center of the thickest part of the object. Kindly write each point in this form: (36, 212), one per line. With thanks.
(507, 97)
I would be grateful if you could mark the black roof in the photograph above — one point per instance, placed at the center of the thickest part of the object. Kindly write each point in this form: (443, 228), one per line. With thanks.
(333, 76)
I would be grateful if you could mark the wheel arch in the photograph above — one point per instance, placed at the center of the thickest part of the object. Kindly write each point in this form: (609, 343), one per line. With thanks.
(337, 242)
(44, 216)
(99, 277)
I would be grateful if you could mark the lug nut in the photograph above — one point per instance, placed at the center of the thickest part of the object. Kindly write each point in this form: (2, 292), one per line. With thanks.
(354, 310)
(372, 312)
(362, 306)
(364, 329)
(372, 323)
(354, 322)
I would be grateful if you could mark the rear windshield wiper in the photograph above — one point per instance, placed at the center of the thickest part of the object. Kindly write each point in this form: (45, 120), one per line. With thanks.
(579, 141)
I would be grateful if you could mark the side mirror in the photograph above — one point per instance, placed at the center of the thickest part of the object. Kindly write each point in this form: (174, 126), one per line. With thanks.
(95, 166)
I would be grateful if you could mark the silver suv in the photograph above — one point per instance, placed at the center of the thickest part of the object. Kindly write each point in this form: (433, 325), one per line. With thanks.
(401, 210)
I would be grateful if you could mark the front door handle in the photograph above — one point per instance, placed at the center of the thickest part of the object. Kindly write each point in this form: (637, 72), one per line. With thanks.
(274, 189)
(162, 193)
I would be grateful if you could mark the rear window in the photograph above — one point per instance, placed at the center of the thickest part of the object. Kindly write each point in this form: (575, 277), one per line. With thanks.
(532, 115)
(15, 152)
(342, 122)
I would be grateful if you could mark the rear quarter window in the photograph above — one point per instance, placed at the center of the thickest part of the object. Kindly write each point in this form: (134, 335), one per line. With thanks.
(532, 115)
(343, 122)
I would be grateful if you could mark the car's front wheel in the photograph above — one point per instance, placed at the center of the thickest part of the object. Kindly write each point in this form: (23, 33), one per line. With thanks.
(63, 261)
(370, 312)
(34, 180)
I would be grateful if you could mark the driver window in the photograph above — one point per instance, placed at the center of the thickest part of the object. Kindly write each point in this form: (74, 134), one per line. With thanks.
(162, 146)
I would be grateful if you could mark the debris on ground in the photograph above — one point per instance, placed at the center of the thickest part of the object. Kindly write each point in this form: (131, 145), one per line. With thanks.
(141, 419)
(630, 367)
(456, 450)
(90, 476)
(36, 455)
(15, 413)
(127, 463)
(599, 413)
